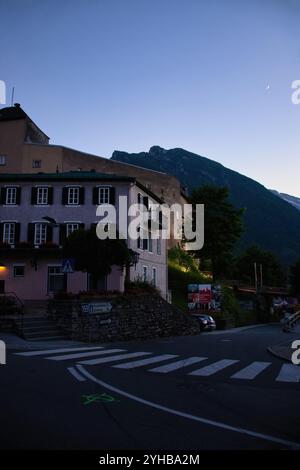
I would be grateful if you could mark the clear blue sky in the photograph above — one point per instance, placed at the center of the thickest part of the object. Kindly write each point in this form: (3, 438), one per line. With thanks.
(212, 76)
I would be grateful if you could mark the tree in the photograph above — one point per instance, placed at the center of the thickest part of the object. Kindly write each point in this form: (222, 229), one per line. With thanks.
(295, 278)
(93, 255)
(272, 271)
(222, 226)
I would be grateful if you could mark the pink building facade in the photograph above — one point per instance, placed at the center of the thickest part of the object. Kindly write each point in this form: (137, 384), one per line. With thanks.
(31, 263)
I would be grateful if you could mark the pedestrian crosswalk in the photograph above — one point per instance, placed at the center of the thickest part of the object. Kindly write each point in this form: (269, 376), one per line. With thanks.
(214, 367)
(251, 371)
(117, 358)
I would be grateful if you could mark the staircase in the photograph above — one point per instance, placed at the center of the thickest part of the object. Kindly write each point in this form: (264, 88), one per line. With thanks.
(39, 328)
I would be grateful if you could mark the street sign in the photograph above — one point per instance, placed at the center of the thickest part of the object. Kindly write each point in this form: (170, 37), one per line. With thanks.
(68, 265)
(94, 308)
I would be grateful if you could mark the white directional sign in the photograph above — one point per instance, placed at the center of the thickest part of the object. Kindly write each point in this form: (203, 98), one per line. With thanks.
(96, 307)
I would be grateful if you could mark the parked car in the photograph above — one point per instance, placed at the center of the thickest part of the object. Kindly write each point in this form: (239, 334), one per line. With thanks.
(207, 323)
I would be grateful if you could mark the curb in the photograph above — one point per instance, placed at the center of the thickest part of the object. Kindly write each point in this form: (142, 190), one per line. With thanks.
(278, 355)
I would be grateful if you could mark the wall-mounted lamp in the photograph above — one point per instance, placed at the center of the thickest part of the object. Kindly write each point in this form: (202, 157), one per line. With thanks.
(3, 266)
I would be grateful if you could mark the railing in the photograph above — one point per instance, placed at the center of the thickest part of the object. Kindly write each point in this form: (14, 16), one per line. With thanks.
(20, 305)
(291, 321)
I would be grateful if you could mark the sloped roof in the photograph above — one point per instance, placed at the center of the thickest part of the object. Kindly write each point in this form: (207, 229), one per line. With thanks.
(12, 113)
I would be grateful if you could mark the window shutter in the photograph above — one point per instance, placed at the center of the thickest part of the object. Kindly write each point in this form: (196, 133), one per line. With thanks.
(93, 227)
(81, 226)
(160, 220)
(95, 195)
(62, 233)
(30, 235)
(112, 196)
(65, 196)
(145, 244)
(50, 196)
(3, 195)
(146, 202)
(33, 195)
(81, 196)
(49, 233)
(17, 232)
(1, 232)
(18, 196)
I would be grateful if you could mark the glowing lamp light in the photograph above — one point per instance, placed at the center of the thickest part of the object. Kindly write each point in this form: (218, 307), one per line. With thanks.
(2, 266)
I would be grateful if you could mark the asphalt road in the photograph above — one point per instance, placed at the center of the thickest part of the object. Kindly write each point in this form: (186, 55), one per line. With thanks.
(224, 392)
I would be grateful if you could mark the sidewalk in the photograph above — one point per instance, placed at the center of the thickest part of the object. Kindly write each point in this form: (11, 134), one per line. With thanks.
(284, 350)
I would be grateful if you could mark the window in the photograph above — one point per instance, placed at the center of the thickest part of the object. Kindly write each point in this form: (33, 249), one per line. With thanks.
(154, 276)
(40, 234)
(9, 230)
(145, 273)
(103, 195)
(2, 160)
(11, 195)
(73, 196)
(19, 271)
(70, 228)
(56, 280)
(159, 246)
(36, 163)
(42, 196)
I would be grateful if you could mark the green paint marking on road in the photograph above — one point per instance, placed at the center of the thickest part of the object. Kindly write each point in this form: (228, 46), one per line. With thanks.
(98, 398)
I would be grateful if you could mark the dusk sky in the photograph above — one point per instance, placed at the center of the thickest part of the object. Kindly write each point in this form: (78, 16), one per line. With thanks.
(213, 77)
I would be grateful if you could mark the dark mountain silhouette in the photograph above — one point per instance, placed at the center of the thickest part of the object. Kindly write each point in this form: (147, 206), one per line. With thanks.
(270, 222)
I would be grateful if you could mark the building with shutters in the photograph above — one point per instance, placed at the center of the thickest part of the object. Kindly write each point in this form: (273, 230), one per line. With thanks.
(38, 212)
(25, 148)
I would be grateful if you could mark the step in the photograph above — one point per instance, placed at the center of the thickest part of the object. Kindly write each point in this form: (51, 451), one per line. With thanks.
(40, 327)
(48, 338)
(42, 332)
(35, 324)
(33, 320)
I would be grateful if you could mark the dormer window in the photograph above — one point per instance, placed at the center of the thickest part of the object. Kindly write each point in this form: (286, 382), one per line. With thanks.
(36, 163)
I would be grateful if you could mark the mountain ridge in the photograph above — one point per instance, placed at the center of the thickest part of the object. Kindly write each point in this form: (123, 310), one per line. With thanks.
(293, 200)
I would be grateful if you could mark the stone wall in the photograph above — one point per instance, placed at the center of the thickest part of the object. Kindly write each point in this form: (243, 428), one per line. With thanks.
(140, 317)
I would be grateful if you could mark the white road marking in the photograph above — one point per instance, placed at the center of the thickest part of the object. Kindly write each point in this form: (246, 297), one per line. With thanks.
(144, 362)
(177, 365)
(251, 371)
(85, 354)
(54, 351)
(213, 368)
(119, 357)
(289, 373)
(76, 374)
(218, 424)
